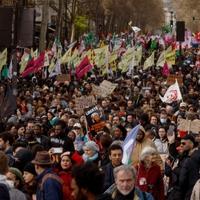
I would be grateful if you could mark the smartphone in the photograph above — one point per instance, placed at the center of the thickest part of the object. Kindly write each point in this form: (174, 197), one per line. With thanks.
(57, 150)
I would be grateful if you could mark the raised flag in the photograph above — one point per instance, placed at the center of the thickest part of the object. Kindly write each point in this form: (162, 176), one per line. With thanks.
(3, 58)
(149, 61)
(35, 65)
(128, 145)
(165, 70)
(172, 94)
(83, 68)
(161, 60)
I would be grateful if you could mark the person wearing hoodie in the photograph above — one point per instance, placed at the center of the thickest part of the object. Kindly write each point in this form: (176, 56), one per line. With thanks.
(14, 193)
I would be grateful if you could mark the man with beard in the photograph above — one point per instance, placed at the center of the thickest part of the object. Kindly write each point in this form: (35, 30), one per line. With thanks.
(125, 178)
(87, 183)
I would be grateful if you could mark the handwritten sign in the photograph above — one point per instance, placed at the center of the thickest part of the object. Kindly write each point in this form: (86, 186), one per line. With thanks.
(105, 89)
(188, 125)
(171, 79)
(63, 77)
(84, 102)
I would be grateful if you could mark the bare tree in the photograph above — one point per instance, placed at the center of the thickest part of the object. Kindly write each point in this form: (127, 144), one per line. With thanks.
(44, 23)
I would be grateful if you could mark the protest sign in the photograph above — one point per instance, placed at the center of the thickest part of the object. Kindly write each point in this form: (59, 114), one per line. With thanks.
(84, 102)
(188, 125)
(63, 77)
(94, 121)
(105, 89)
(171, 79)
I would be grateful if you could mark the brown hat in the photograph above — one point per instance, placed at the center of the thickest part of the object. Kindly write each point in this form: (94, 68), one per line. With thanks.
(42, 158)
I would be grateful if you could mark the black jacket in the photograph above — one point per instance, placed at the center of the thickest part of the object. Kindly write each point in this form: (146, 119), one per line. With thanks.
(109, 176)
(189, 174)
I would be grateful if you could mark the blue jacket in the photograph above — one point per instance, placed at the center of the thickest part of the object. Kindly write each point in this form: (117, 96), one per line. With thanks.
(51, 188)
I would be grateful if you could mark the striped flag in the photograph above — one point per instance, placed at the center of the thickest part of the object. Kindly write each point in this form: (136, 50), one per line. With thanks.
(128, 144)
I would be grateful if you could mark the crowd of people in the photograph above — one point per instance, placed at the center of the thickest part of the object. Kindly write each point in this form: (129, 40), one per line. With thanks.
(49, 153)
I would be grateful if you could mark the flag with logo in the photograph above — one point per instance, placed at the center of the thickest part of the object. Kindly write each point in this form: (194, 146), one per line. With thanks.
(172, 94)
(128, 145)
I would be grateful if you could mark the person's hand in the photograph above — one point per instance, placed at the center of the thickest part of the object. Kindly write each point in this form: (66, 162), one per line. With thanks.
(171, 138)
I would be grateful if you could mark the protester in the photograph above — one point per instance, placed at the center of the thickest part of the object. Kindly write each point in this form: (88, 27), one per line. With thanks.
(49, 184)
(125, 179)
(149, 176)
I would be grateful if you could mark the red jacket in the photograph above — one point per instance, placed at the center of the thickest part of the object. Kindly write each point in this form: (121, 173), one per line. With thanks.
(151, 180)
(67, 178)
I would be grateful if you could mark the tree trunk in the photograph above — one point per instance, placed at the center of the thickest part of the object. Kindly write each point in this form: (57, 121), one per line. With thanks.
(74, 10)
(44, 23)
(59, 24)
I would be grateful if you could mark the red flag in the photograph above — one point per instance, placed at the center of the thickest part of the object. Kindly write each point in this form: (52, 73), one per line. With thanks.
(83, 68)
(197, 36)
(165, 70)
(34, 65)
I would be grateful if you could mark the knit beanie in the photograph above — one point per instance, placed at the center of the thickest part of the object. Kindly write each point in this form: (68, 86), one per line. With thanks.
(30, 168)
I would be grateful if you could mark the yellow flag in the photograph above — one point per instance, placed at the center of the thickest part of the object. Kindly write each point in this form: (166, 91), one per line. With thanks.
(161, 60)
(112, 57)
(3, 58)
(138, 56)
(101, 56)
(34, 54)
(126, 59)
(170, 58)
(149, 61)
(65, 58)
(24, 61)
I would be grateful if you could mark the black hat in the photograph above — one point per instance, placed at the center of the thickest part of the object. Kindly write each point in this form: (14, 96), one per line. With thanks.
(190, 137)
(30, 168)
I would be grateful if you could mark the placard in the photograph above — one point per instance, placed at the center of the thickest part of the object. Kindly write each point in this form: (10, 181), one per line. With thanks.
(171, 79)
(84, 102)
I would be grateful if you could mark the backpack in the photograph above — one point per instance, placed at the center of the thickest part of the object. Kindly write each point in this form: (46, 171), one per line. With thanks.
(58, 179)
(4, 192)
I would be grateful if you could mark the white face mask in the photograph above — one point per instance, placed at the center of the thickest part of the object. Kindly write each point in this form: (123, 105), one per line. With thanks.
(163, 120)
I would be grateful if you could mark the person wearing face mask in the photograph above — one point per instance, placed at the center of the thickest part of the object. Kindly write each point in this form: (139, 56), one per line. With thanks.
(164, 120)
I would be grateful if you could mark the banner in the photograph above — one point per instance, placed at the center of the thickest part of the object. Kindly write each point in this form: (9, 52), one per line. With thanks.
(94, 121)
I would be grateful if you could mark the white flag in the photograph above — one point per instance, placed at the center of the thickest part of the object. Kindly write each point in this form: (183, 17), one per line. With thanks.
(172, 94)
(135, 29)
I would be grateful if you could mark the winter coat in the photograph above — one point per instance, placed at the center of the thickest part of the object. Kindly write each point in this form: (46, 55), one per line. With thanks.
(67, 178)
(136, 194)
(109, 176)
(51, 189)
(62, 141)
(4, 192)
(189, 174)
(161, 146)
(14, 193)
(196, 191)
(150, 180)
